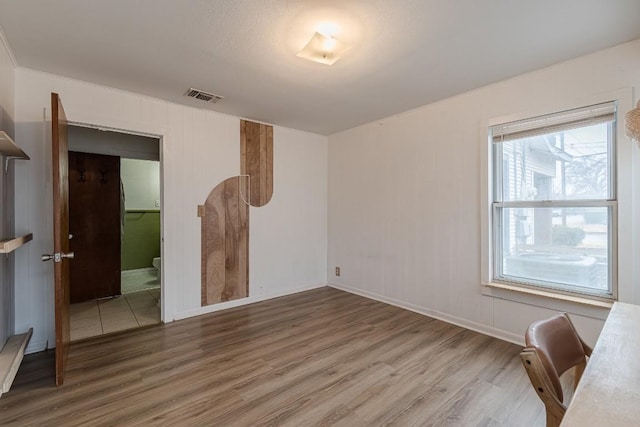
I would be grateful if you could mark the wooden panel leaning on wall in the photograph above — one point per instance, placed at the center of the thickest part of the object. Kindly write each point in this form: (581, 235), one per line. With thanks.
(225, 217)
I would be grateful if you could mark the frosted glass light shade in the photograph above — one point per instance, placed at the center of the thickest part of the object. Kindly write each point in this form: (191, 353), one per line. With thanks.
(323, 49)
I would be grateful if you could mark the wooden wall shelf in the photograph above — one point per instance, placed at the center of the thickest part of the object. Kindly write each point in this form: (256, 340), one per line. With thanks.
(12, 351)
(11, 357)
(8, 148)
(10, 245)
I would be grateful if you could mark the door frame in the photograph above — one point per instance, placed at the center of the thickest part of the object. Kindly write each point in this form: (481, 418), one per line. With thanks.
(87, 121)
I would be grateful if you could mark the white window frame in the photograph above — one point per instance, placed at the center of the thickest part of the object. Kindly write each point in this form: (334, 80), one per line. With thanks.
(625, 239)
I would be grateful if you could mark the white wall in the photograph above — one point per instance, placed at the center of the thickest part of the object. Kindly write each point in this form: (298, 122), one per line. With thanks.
(405, 198)
(200, 148)
(141, 182)
(7, 83)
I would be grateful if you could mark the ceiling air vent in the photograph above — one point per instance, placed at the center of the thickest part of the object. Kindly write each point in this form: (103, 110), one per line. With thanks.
(203, 96)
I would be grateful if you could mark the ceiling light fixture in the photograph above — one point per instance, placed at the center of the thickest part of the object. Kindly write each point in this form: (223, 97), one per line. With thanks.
(323, 49)
(632, 123)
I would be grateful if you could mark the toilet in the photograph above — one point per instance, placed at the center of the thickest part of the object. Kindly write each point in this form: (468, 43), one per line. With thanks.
(157, 264)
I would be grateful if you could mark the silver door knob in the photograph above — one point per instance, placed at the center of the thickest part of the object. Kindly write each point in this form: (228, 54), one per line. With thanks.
(70, 236)
(57, 257)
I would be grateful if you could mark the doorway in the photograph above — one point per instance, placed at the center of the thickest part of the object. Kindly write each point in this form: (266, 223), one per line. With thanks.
(114, 196)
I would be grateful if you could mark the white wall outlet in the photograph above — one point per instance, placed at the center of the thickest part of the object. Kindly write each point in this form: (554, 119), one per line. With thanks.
(157, 203)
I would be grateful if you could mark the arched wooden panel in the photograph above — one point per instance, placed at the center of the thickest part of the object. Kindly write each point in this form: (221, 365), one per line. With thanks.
(225, 217)
(225, 242)
(256, 160)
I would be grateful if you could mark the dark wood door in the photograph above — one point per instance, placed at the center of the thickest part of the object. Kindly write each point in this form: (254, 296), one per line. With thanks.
(61, 255)
(95, 224)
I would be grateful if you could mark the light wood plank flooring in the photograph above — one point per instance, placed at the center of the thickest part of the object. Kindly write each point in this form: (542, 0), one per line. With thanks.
(323, 357)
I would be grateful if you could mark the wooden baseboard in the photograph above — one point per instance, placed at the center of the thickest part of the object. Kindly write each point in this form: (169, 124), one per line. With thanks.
(11, 357)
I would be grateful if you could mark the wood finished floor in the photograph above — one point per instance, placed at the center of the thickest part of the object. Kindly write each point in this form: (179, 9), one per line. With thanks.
(323, 357)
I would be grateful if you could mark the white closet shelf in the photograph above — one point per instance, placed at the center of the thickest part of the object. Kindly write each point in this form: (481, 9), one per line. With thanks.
(10, 245)
(8, 148)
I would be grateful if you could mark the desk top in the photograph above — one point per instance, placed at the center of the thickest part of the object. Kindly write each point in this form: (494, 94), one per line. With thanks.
(609, 391)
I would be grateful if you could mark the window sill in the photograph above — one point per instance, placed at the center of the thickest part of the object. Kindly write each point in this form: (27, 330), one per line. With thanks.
(498, 290)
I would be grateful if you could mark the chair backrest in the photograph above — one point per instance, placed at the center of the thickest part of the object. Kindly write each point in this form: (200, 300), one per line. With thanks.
(552, 347)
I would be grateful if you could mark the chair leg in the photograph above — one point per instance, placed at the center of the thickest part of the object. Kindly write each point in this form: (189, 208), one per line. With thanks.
(553, 419)
(579, 369)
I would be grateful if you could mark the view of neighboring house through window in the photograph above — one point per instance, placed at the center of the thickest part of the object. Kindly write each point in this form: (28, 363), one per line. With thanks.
(554, 201)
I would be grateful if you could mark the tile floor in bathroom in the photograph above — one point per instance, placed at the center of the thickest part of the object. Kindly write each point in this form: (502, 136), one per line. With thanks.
(131, 310)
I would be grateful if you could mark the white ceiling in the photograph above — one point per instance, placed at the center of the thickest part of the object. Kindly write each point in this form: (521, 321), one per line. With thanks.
(405, 53)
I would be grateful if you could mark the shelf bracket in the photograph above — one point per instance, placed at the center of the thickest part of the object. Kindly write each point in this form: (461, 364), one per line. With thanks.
(6, 162)
(9, 150)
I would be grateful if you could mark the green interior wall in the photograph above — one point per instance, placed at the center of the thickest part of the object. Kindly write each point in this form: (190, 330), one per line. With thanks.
(141, 239)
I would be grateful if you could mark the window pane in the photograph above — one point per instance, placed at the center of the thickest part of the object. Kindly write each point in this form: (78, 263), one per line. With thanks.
(556, 247)
(568, 165)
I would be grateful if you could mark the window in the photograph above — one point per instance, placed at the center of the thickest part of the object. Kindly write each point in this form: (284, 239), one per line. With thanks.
(554, 206)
